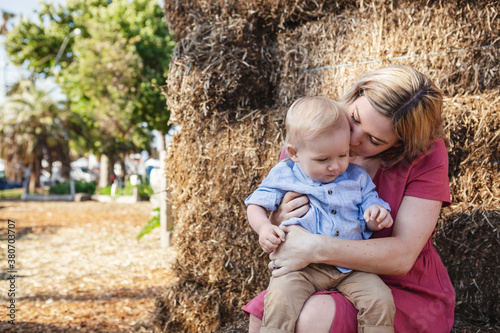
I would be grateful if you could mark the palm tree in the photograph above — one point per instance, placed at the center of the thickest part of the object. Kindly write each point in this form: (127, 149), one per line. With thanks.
(35, 126)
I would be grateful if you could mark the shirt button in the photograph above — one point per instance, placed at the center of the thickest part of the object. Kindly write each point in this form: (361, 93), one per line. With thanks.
(337, 233)
(334, 212)
(329, 191)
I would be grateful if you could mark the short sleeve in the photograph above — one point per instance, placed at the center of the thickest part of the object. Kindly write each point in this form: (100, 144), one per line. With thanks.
(270, 191)
(428, 177)
(264, 197)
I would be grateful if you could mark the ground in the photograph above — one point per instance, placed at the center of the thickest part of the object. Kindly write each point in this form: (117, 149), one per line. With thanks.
(80, 268)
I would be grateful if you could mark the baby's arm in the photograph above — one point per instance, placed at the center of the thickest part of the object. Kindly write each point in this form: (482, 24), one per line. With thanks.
(377, 217)
(270, 236)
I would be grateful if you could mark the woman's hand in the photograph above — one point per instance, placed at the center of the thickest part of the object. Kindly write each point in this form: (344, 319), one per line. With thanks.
(295, 253)
(293, 205)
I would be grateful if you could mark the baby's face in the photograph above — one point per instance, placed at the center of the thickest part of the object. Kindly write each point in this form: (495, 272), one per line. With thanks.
(325, 157)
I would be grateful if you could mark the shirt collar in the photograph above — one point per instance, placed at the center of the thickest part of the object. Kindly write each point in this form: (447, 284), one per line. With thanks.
(300, 174)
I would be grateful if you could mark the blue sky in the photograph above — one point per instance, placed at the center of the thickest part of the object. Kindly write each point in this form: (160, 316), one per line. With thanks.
(9, 73)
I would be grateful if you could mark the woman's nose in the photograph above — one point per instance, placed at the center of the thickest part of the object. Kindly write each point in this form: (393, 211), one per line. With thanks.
(355, 137)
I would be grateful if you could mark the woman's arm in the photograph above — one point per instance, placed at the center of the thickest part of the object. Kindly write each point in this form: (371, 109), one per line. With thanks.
(394, 255)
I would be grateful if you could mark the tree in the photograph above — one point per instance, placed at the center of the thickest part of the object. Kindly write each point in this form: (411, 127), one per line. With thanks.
(109, 72)
(35, 126)
(6, 17)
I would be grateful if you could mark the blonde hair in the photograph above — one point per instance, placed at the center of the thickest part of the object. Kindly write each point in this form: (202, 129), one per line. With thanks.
(413, 103)
(309, 117)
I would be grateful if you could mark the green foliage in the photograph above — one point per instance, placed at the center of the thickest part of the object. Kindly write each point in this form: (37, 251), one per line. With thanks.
(108, 72)
(34, 125)
(153, 223)
(145, 191)
(105, 190)
(80, 187)
(11, 194)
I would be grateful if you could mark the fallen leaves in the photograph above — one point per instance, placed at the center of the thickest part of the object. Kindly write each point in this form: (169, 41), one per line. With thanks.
(81, 269)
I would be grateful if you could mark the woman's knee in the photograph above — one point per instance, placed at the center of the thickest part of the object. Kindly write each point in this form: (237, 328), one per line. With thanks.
(317, 315)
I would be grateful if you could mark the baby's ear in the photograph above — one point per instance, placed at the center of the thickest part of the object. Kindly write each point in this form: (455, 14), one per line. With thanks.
(291, 150)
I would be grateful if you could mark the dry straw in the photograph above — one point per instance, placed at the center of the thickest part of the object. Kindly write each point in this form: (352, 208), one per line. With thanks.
(237, 67)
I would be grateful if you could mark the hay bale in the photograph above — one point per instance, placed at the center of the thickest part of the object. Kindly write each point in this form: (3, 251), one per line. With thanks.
(184, 16)
(469, 243)
(219, 70)
(468, 234)
(370, 37)
(212, 172)
(473, 125)
(237, 67)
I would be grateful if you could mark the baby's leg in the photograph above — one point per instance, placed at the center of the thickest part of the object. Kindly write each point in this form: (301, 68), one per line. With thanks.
(287, 294)
(373, 299)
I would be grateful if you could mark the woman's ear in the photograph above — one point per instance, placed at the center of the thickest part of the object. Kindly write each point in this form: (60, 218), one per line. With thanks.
(398, 144)
(291, 150)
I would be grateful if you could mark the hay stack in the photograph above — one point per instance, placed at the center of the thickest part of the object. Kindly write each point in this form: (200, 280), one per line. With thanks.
(184, 16)
(473, 126)
(469, 235)
(218, 264)
(370, 37)
(238, 66)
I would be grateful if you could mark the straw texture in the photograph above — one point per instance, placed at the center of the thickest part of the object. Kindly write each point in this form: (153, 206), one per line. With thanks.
(236, 69)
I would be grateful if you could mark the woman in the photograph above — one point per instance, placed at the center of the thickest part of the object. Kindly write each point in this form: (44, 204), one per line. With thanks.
(396, 135)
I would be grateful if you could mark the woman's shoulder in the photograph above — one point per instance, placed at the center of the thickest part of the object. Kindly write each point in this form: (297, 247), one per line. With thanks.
(428, 177)
(433, 164)
(425, 177)
(436, 157)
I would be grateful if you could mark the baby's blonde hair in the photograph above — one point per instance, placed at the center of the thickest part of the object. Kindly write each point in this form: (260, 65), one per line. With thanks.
(309, 117)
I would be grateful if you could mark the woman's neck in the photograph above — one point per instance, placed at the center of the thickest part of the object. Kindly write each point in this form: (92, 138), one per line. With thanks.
(371, 165)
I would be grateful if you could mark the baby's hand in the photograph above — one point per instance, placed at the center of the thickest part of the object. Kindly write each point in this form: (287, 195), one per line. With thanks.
(377, 217)
(270, 237)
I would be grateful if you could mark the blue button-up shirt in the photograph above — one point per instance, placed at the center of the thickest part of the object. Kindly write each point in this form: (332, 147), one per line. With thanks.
(336, 208)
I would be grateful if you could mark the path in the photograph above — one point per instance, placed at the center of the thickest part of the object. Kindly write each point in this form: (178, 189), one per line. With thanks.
(81, 268)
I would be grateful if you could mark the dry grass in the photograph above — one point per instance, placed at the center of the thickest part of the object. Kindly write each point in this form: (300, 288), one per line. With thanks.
(80, 267)
(237, 67)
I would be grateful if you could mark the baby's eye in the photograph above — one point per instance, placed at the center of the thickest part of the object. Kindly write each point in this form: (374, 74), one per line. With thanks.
(322, 159)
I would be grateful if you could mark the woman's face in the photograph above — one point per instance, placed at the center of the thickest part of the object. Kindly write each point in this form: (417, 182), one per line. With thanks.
(371, 132)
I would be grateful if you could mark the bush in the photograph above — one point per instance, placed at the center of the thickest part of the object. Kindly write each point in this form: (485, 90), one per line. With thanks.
(80, 187)
(105, 190)
(145, 191)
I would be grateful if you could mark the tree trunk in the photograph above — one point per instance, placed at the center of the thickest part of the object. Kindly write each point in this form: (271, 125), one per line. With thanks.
(162, 142)
(105, 169)
(36, 168)
(66, 165)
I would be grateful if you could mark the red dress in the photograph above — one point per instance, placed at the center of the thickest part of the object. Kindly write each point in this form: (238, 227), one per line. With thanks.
(424, 297)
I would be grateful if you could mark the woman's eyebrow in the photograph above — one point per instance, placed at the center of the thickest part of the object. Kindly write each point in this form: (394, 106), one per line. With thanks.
(359, 120)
